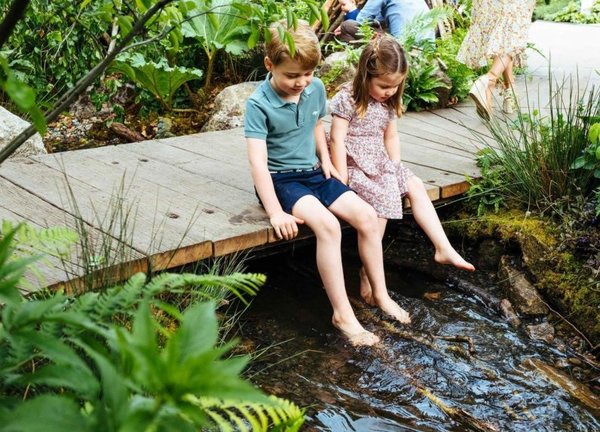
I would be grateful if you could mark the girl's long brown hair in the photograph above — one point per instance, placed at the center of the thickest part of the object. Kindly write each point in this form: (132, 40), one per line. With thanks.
(382, 55)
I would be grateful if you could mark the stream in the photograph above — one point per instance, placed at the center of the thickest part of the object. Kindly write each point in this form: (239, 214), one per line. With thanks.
(415, 380)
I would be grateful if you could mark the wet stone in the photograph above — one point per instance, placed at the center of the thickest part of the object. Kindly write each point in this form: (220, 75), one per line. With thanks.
(544, 332)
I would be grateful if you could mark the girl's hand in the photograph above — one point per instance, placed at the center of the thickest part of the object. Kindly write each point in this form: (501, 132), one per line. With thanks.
(285, 225)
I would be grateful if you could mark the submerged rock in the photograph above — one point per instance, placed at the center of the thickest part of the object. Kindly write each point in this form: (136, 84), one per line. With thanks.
(542, 331)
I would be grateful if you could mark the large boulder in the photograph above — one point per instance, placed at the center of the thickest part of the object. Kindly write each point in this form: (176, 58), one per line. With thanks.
(11, 126)
(230, 106)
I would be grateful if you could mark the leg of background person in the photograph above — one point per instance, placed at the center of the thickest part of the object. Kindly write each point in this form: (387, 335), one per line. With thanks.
(349, 30)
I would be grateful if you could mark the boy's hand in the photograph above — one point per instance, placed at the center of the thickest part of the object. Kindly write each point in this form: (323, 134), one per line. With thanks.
(337, 31)
(285, 225)
(330, 171)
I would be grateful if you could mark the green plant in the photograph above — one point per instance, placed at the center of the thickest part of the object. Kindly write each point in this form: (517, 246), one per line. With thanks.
(572, 13)
(536, 152)
(486, 194)
(422, 82)
(160, 79)
(460, 74)
(69, 360)
(41, 243)
(590, 159)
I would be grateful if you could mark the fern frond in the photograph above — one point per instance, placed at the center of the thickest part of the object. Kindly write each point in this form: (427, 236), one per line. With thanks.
(278, 414)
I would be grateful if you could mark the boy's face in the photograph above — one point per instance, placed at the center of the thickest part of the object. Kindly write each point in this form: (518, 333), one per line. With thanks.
(289, 78)
(347, 5)
(383, 87)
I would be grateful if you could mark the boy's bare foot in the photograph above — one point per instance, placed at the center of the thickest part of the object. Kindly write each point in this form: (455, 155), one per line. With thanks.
(391, 308)
(355, 333)
(450, 256)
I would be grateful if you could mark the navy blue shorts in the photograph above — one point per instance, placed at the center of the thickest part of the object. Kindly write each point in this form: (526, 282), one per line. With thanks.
(291, 186)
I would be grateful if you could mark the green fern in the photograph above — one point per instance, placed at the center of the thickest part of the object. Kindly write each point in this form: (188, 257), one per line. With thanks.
(234, 415)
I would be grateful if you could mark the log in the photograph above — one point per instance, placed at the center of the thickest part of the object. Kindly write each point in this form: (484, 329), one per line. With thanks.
(124, 132)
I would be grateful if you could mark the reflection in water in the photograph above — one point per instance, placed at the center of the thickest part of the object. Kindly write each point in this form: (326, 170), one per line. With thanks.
(414, 381)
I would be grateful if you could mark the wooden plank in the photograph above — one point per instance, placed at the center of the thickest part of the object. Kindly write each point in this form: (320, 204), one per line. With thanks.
(196, 227)
(94, 204)
(17, 205)
(440, 126)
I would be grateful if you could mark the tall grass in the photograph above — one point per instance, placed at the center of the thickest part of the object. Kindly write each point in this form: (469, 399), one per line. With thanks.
(533, 154)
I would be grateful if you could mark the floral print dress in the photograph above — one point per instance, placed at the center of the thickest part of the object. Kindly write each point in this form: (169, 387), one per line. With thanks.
(371, 173)
(498, 27)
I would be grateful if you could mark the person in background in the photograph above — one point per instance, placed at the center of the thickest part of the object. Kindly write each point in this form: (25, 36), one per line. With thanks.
(394, 15)
(498, 32)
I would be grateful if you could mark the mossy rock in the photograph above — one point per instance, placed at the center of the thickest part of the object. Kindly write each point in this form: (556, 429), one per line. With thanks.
(560, 278)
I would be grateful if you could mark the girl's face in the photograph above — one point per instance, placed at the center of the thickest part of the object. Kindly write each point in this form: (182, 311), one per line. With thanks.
(382, 87)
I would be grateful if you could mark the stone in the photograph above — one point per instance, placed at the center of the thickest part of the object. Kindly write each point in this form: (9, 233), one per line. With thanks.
(521, 293)
(544, 332)
(509, 313)
(489, 253)
(11, 126)
(230, 106)
(336, 70)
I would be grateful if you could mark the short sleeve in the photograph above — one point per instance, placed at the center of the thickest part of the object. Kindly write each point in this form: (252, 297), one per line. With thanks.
(342, 104)
(255, 121)
(392, 114)
(322, 97)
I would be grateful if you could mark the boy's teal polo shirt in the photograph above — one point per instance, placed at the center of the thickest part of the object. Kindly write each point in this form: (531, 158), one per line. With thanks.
(288, 128)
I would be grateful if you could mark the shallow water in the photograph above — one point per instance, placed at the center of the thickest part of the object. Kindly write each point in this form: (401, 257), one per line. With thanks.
(414, 381)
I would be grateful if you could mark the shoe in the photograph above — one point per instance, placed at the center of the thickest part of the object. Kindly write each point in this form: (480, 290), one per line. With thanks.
(478, 93)
(509, 103)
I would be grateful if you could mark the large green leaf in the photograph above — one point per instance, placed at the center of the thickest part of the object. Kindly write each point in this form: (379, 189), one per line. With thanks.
(47, 413)
(158, 78)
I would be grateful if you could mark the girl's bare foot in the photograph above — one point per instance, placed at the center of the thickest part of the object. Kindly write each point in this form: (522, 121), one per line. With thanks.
(355, 333)
(391, 308)
(450, 256)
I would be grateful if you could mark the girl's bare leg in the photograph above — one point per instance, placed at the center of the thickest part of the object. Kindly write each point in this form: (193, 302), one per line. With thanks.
(329, 263)
(427, 218)
(365, 286)
(363, 218)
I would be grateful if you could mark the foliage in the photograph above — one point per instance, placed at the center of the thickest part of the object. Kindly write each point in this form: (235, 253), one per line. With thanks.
(423, 79)
(536, 153)
(22, 95)
(217, 26)
(160, 79)
(484, 194)
(572, 13)
(67, 360)
(56, 43)
(590, 159)
(544, 9)
(40, 244)
(460, 74)
(421, 83)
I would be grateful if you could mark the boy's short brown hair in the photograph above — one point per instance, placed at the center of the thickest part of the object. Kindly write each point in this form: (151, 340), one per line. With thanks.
(308, 51)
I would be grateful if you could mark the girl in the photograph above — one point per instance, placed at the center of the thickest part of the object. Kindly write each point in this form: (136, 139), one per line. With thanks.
(366, 151)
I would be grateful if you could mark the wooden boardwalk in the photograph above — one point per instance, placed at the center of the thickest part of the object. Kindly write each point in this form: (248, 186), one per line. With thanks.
(189, 198)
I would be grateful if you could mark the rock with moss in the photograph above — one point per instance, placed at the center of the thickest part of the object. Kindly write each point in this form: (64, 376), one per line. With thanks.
(563, 282)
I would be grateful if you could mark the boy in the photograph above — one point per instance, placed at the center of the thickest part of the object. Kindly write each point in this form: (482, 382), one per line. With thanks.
(350, 13)
(297, 183)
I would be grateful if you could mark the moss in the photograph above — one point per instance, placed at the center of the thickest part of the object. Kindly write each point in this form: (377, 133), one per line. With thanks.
(561, 279)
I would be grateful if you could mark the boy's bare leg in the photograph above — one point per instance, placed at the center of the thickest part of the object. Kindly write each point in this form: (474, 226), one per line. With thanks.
(427, 218)
(329, 263)
(363, 218)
